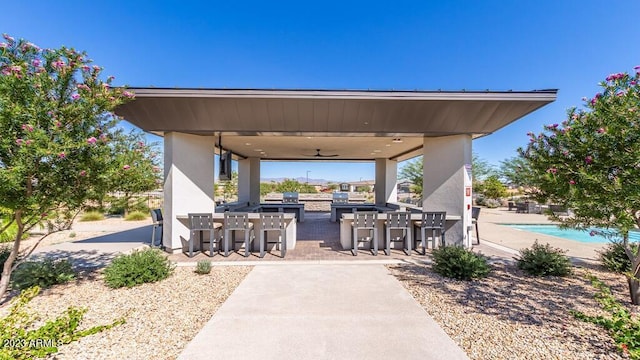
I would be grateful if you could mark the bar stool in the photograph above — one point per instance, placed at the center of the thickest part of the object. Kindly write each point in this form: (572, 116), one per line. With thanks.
(273, 222)
(400, 220)
(156, 217)
(364, 220)
(434, 221)
(475, 214)
(237, 222)
(201, 222)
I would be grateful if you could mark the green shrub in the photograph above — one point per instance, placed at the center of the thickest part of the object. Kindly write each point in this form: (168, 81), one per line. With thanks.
(139, 267)
(544, 260)
(9, 234)
(622, 327)
(139, 204)
(92, 216)
(43, 273)
(136, 216)
(459, 263)
(22, 341)
(203, 267)
(614, 258)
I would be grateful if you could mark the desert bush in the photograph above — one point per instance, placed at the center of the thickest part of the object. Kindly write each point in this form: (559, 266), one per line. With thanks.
(459, 263)
(43, 273)
(492, 203)
(614, 258)
(136, 216)
(203, 267)
(139, 267)
(21, 340)
(544, 260)
(620, 324)
(92, 216)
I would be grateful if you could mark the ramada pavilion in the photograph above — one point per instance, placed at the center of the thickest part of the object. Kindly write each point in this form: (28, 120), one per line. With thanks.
(383, 127)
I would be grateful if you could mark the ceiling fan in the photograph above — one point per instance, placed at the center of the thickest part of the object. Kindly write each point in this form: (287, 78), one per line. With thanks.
(318, 155)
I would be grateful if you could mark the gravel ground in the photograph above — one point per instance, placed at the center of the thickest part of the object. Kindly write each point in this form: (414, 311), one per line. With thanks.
(513, 316)
(81, 231)
(161, 318)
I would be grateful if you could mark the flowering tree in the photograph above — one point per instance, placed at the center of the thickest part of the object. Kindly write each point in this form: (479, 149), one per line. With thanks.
(515, 170)
(413, 170)
(134, 167)
(591, 164)
(55, 127)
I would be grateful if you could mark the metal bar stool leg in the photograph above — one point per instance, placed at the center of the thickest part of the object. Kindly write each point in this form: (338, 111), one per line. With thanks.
(212, 236)
(283, 248)
(354, 242)
(247, 235)
(375, 243)
(408, 239)
(387, 250)
(375, 240)
(226, 242)
(477, 233)
(262, 240)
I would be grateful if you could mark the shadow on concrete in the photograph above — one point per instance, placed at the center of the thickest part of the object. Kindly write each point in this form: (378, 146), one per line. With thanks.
(95, 252)
(137, 235)
(80, 259)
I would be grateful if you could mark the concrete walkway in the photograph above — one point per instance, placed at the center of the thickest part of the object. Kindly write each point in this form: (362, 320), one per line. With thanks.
(98, 251)
(345, 311)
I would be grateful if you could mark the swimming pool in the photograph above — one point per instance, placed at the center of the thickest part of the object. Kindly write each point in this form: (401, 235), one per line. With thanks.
(571, 234)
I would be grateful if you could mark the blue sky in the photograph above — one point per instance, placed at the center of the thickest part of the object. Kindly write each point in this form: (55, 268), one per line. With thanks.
(451, 45)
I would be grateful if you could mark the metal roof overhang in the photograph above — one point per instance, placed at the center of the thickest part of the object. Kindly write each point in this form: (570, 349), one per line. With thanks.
(354, 125)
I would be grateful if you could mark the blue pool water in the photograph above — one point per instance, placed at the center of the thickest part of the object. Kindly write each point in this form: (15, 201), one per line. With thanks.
(571, 234)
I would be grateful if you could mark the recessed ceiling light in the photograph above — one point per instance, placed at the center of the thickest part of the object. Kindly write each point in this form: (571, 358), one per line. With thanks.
(388, 145)
(309, 137)
(366, 123)
(248, 144)
(377, 151)
(262, 152)
(397, 140)
(258, 150)
(373, 153)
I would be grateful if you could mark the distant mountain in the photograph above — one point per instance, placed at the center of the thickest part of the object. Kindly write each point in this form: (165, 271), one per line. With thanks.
(300, 179)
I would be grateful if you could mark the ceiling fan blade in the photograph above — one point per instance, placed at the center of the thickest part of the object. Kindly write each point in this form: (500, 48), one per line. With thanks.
(317, 154)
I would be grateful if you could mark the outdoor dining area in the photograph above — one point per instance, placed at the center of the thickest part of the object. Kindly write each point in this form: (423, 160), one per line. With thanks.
(247, 233)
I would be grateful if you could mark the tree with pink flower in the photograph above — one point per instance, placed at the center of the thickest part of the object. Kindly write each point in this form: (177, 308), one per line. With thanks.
(591, 164)
(134, 169)
(53, 109)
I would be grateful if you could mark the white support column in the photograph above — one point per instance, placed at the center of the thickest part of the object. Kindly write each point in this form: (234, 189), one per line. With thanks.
(447, 182)
(249, 180)
(188, 186)
(386, 188)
